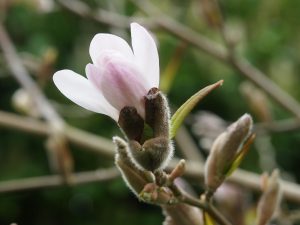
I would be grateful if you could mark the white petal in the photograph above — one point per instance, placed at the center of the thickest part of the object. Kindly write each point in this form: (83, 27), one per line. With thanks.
(109, 42)
(79, 90)
(145, 54)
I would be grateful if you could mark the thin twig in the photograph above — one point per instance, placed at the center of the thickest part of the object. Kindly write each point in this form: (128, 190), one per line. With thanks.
(60, 158)
(281, 126)
(23, 184)
(219, 52)
(23, 77)
(187, 145)
(200, 203)
(91, 142)
(102, 16)
(209, 208)
(104, 147)
(249, 180)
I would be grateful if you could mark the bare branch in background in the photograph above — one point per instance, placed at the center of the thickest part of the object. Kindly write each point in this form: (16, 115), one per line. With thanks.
(24, 184)
(157, 187)
(90, 141)
(104, 147)
(60, 154)
(214, 49)
(102, 16)
(188, 146)
(23, 77)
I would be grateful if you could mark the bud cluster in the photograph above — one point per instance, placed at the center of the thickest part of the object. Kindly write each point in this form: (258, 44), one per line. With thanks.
(149, 146)
(147, 149)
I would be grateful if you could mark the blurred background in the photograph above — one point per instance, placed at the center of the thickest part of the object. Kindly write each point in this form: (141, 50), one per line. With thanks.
(50, 35)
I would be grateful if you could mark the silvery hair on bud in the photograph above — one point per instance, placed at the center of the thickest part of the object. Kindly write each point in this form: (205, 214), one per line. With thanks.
(154, 152)
(134, 178)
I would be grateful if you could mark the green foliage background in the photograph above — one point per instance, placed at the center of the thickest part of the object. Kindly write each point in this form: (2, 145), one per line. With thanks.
(269, 38)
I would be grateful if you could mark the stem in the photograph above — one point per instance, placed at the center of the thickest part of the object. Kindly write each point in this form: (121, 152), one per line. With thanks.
(206, 206)
(57, 181)
(80, 8)
(60, 159)
(104, 147)
(22, 76)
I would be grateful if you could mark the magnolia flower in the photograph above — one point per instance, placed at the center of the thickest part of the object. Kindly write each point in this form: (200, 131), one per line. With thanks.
(119, 75)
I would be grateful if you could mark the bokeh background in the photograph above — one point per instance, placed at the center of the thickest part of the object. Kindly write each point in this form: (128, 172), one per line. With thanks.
(48, 37)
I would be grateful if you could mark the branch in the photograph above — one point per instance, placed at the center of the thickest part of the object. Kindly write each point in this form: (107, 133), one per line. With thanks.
(101, 16)
(249, 180)
(104, 147)
(281, 126)
(60, 158)
(219, 52)
(23, 77)
(187, 145)
(100, 175)
(209, 208)
(91, 142)
(201, 203)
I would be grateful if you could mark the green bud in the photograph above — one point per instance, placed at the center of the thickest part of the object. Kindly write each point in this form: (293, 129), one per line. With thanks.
(224, 151)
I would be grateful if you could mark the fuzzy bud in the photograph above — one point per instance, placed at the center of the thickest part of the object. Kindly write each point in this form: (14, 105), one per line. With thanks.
(133, 177)
(152, 155)
(131, 123)
(178, 171)
(157, 113)
(224, 151)
(152, 193)
(148, 153)
(270, 199)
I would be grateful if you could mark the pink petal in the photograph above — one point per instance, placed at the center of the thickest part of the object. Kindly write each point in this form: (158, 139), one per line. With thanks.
(109, 42)
(121, 84)
(79, 90)
(94, 75)
(145, 54)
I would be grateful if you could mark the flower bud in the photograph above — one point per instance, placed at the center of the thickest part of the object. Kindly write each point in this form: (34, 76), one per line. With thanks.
(152, 155)
(270, 199)
(178, 171)
(152, 193)
(157, 113)
(132, 123)
(224, 150)
(133, 177)
(23, 103)
(155, 152)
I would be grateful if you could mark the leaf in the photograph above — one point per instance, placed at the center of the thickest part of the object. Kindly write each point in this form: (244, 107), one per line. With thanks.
(187, 107)
(207, 219)
(240, 156)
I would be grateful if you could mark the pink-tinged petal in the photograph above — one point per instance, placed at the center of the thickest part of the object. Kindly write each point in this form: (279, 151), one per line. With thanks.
(122, 85)
(94, 74)
(82, 92)
(109, 42)
(145, 54)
